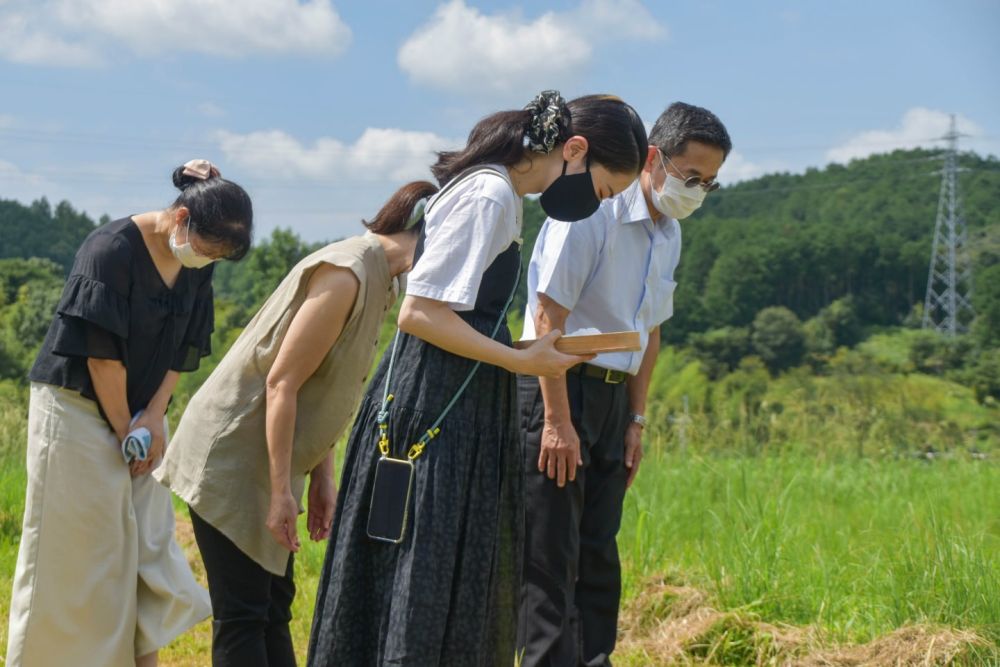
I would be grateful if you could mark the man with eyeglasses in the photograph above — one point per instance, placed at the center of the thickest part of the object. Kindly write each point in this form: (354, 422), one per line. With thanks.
(582, 433)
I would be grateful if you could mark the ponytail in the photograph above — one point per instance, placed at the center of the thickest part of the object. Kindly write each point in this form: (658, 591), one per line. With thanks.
(498, 138)
(397, 214)
(613, 129)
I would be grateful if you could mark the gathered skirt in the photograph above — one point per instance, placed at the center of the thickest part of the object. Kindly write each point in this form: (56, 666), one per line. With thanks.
(448, 593)
(99, 578)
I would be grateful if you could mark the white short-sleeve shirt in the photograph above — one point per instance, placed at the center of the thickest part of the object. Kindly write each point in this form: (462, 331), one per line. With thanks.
(465, 230)
(613, 271)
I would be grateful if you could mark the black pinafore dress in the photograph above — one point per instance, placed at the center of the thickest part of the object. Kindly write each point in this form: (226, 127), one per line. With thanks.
(448, 593)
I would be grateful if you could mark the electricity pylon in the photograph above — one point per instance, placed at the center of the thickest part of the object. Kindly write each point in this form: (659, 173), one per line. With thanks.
(948, 304)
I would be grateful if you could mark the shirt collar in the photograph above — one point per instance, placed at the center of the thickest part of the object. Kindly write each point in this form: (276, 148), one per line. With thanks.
(633, 205)
(632, 208)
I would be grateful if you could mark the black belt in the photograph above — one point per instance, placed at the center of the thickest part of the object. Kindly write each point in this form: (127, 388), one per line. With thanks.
(606, 374)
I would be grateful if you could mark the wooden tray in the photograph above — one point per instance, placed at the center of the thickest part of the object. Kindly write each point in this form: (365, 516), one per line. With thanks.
(619, 341)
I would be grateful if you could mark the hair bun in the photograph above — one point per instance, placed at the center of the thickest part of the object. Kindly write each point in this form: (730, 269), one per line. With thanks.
(550, 120)
(193, 171)
(183, 181)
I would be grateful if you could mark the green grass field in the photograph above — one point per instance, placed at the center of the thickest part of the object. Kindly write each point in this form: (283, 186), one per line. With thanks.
(857, 548)
(788, 549)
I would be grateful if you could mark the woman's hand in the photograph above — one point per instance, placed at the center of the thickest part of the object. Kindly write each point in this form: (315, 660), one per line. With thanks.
(439, 325)
(281, 517)
(152, 420)
(543, 359)
(322, 504)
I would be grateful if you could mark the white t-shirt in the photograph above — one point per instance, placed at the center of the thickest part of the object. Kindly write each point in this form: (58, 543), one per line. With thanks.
(476, 220)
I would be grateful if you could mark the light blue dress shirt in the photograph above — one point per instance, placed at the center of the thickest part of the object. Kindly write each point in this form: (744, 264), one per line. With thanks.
(613, 271)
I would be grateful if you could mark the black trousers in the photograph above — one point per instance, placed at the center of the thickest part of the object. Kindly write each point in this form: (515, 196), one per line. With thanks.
(572, 576)
(251, 607)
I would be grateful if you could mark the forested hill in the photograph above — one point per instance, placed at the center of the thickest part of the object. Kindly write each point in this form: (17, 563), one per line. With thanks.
(39, 231)
(803, 241)
(800, 241)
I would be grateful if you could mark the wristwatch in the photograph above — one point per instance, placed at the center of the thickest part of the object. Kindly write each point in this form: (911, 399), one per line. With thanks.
(639, 419)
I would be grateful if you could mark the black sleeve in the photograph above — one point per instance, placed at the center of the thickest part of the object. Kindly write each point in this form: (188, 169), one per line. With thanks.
(197, 340)
(92, 318)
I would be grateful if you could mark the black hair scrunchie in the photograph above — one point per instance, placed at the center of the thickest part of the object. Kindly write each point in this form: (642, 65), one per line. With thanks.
(549, 119)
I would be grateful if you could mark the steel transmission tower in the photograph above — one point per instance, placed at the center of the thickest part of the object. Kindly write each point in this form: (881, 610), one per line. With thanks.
(948, 304)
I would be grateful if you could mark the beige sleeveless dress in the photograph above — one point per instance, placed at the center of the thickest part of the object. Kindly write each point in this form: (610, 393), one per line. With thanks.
(217, 459)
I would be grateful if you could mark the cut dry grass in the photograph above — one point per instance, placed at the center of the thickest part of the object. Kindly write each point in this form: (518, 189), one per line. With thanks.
(669, 624)
(911, 646)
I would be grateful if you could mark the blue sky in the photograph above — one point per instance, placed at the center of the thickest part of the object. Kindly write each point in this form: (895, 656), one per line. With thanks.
(322, 107)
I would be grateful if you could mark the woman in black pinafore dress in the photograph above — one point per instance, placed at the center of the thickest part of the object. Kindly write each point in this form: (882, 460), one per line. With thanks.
(447, 594)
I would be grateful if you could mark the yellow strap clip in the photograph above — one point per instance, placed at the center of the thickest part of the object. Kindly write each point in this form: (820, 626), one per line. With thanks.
(418, 447)
(383, 440)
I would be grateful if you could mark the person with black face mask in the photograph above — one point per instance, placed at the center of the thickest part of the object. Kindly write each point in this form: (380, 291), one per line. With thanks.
(424, 561)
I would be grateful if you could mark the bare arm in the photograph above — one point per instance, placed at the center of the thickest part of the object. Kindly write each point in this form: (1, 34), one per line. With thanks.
(322, 499)
(152, 418)
(330, 296)
(435, 322)
(638, 388)
(560, 446)
(638, 384)
(108, 378)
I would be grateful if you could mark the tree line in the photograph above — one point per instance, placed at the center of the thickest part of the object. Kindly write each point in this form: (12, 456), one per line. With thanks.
(785, 267)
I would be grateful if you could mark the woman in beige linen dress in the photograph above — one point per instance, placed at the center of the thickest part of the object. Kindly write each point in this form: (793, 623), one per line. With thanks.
(100, 581)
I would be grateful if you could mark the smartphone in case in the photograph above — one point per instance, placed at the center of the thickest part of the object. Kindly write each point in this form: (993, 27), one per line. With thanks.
(390, 500)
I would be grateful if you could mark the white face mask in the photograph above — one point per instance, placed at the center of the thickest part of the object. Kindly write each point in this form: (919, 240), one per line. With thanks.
(185, 254)
(675, 199)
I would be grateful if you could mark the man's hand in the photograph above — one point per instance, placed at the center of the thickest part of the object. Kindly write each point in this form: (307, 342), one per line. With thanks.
(154, 422)
(560, 452)
(633, 451)
(281, 519)
(322, 504)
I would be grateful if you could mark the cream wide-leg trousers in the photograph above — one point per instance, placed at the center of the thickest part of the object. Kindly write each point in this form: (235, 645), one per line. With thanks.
(100, 579)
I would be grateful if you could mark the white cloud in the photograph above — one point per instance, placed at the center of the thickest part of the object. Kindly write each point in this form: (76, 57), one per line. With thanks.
(325, 187)
(81, 32)
(738, 168)
(24, 41)
(918, 127)
(378, 155)
(463, 49)
(616, 19)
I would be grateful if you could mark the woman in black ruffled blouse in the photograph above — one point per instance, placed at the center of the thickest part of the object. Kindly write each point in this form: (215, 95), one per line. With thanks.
(99, 579)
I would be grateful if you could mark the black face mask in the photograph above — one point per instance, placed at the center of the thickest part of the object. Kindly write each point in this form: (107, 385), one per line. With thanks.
(570, 198)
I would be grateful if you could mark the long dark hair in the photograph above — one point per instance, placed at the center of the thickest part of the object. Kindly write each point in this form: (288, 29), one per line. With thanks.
(219, 210)
(613, 129)
(394, 215)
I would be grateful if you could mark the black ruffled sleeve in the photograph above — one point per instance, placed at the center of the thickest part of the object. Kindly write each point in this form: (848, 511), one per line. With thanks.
(197, 340)
(92, 318)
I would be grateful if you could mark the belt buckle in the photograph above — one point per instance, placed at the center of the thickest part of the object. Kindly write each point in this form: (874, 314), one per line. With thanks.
(607, 377)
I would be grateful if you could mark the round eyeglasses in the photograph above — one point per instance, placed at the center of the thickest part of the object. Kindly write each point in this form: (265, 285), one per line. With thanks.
(692, 181)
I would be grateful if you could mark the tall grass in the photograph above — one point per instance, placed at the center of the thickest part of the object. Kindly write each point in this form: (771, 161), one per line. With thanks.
(858, 501)
(858, 547)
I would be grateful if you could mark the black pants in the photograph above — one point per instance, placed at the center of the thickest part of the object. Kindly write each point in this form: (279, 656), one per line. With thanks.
(251, 607)
(572, 575)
